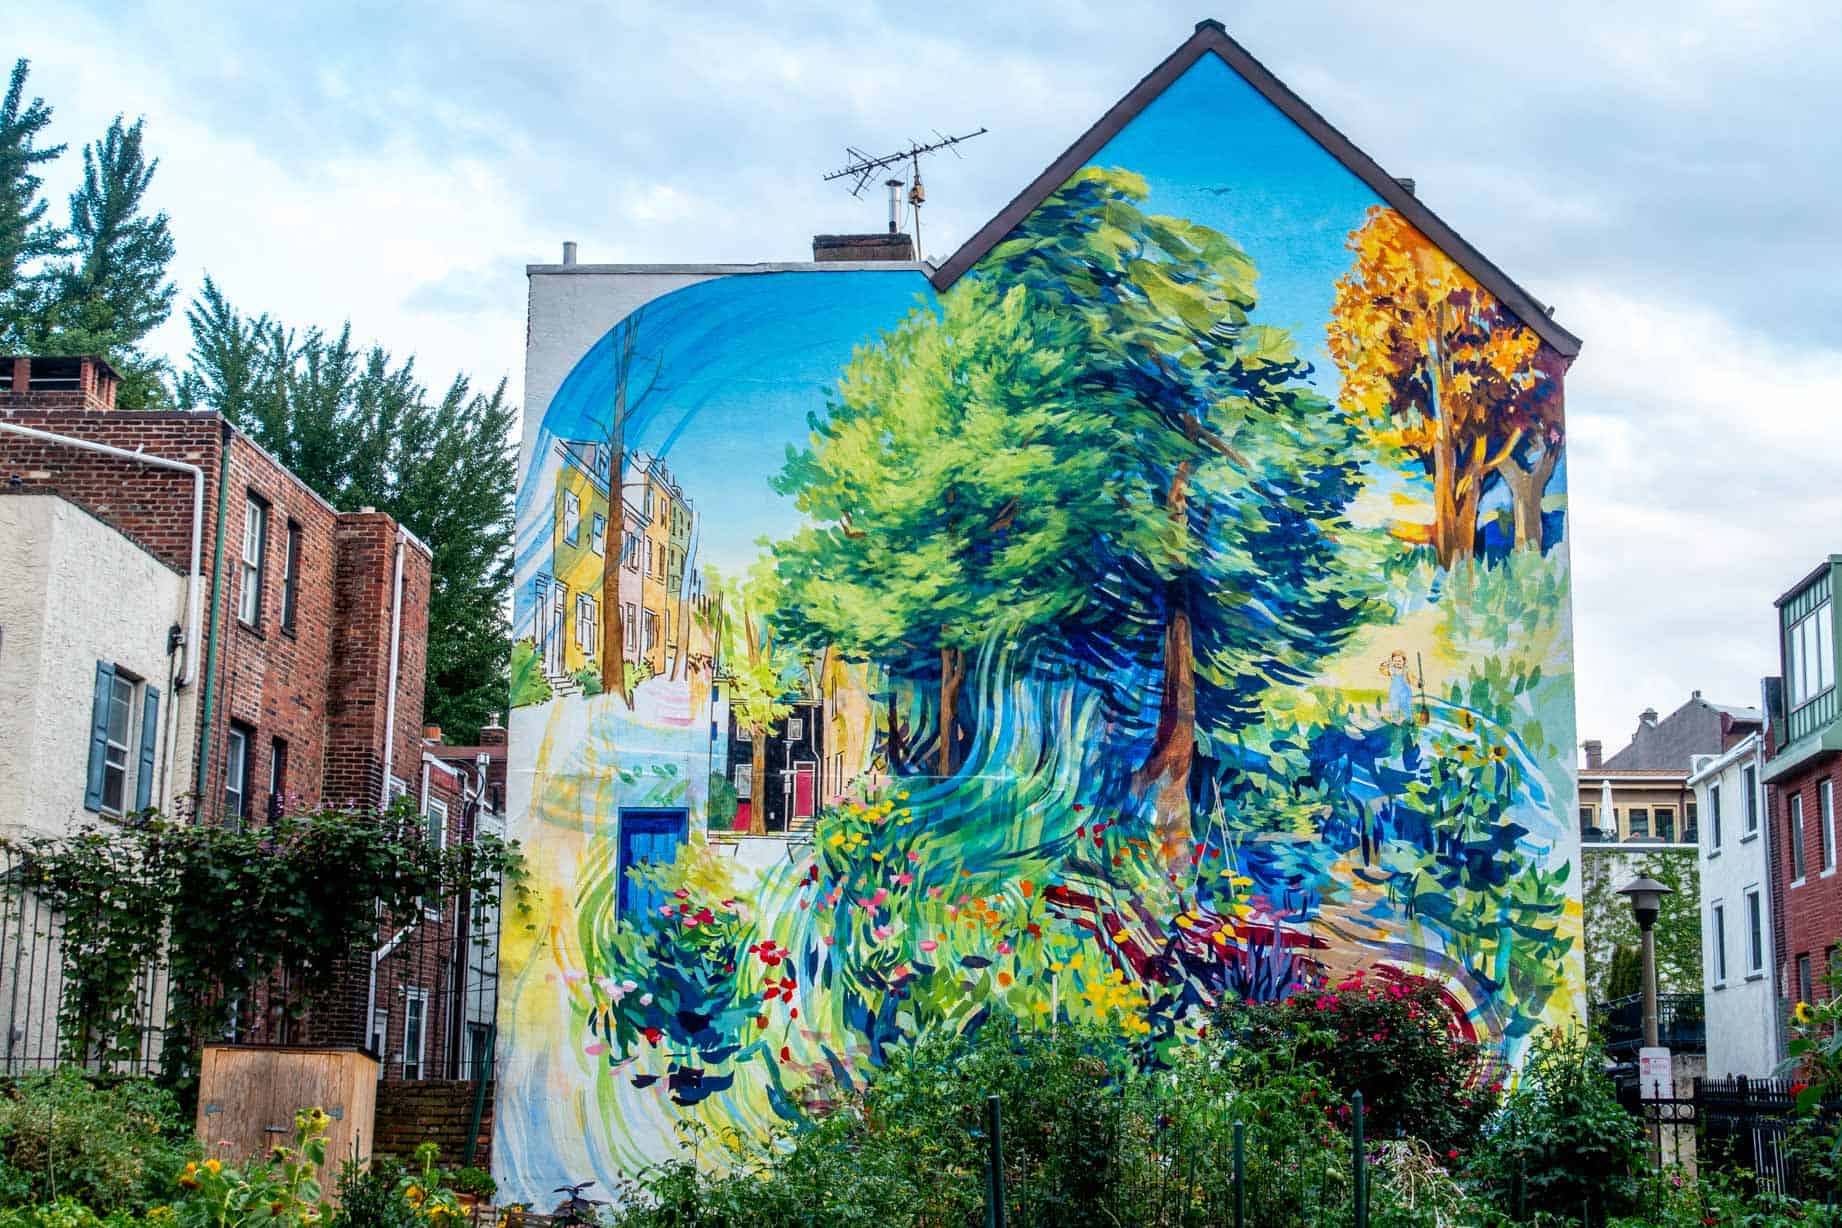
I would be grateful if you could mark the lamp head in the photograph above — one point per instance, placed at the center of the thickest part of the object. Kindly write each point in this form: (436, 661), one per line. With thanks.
(1646, 896)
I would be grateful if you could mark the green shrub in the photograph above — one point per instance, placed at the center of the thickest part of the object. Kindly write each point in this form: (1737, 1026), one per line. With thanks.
(1392, 1039)
(475, 1181)
(529, 686)
(1563, 1142)
(111, 1146)
(589, 679)
(69, 1213)
(368, 1196)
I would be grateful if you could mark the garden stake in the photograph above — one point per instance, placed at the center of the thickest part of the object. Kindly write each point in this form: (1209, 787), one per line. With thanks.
(1240, 1174)
(994, 1165)
(1359, 1160)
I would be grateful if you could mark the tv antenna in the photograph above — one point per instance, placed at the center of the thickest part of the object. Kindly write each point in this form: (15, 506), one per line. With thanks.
(863, 167)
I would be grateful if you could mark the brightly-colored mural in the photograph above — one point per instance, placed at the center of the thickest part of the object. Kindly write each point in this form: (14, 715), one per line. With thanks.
(1174, 607)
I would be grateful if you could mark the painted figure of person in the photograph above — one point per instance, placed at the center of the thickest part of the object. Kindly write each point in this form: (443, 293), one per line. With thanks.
(1400, 686)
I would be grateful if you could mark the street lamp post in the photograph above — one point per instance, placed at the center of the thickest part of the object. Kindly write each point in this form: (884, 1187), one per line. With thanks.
(1646, 896)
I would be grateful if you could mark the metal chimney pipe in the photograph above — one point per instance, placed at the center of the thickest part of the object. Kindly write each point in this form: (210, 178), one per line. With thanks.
(895, 206)
(569, 251)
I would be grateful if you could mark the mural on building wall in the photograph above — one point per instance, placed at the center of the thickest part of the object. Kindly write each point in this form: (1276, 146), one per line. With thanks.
(1173, 608)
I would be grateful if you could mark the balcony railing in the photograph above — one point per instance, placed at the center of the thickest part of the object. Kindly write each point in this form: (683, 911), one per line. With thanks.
(1682, 1024)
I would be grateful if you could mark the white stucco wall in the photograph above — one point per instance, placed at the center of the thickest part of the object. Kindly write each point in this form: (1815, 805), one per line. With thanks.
(1743, 1027)
(76, 592)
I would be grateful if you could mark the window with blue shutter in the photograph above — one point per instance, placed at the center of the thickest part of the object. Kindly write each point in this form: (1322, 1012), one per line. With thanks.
(99, 735)
(150, 728)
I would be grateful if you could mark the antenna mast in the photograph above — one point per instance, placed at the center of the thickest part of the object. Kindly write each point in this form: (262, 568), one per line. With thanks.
(862, 167)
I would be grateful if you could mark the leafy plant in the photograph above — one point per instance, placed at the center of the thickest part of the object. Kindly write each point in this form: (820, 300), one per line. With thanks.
(368, 1196)
(470, 1180)
(283, 1189)
(529, 686)
(1563, 1142)
(1395, 1039)
(111, 1146)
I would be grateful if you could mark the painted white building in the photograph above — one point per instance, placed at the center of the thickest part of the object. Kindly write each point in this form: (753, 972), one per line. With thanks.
(1738, 970)
(88, 652)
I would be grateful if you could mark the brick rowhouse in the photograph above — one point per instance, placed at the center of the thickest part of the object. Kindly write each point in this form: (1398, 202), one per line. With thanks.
(1803, 774)
(297, 679)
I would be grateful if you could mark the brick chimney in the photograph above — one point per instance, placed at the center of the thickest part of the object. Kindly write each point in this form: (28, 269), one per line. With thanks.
(1595, 753)
(896, 248)
(492, 735)
(85, 382)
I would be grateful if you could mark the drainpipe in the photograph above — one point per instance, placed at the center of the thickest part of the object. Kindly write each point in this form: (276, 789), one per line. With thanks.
(194, 581)
(217, 599)
(390, 701)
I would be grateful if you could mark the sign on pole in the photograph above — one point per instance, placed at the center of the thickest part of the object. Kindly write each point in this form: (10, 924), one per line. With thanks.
(1656, 1076)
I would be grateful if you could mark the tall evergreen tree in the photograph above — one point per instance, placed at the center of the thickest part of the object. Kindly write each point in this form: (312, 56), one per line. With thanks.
(25, 236)
(359, 428)
(108, 287)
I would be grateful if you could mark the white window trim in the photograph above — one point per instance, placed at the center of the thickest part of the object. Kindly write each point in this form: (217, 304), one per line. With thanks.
(128, 747)
(1755, 900)
(254, 558)
(744, 778)
(1794, 808)
(1826, 826)
(239, 764)
(1717, 935)
(598, 534)
(422, 1033)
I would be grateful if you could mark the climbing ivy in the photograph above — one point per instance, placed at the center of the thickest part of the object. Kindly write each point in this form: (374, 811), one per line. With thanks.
(1610, 925)
(291, 902)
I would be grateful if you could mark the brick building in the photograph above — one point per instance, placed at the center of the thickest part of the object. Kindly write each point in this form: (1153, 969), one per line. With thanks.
(188, 626)
(1803, 774)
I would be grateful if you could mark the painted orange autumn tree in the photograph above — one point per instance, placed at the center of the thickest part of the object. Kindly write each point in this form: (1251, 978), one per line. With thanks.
(1438, 368)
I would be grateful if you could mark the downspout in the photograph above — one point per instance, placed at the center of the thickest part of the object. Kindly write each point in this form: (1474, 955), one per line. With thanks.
(194, 581)
(217, 599)
(390, 701)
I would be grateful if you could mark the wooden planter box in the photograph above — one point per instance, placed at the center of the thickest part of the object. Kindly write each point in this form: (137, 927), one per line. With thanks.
(248, 1096)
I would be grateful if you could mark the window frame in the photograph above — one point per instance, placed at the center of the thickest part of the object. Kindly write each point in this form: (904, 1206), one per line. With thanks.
(572, 518)
(418, 998)
(252, 577)
(1631, 813)
(1717, 934)
(1794, 834)
(743, 778)
(1755, 933)
(1749, 784)
(291, 577)
(1657, 814)
(1714, 830)
(598, 534)
(587, 624)
(1826, 826)
(123, 689)
(238, 739)
(278, 776)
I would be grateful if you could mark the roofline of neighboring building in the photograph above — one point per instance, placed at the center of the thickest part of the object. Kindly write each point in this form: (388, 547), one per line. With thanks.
(1612, 773)
(1749, 744)
(97, 359)
(925, 267)
(1212, 36)
(1810, 576)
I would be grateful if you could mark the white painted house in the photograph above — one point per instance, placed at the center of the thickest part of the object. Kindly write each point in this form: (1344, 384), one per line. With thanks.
(88, 652)
(1738, 970)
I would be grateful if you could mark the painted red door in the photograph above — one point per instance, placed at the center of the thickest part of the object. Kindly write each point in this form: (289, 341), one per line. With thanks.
(805, 789)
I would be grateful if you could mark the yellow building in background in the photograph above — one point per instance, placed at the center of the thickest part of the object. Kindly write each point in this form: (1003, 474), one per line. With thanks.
(579, 551)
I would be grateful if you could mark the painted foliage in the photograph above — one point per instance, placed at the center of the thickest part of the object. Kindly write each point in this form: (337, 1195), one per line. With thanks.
(1173, 608)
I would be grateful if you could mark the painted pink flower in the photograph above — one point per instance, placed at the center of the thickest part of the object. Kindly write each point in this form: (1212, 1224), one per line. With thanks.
(1004, 948)
(913, 855)
(904, 878)
(595, 1050)
(928, 944)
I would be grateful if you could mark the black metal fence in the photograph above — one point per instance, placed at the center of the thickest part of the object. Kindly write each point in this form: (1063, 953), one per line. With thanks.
(1682, 1024)
(422, 999)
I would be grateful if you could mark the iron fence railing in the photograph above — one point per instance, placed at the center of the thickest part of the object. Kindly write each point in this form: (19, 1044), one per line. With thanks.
(422, 999)
(1682, 1024)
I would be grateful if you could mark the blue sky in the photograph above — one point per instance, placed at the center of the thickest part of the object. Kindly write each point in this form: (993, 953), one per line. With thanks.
(1664, 171)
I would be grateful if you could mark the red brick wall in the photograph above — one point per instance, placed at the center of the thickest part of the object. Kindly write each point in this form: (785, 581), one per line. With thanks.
(434, 1110)
(1809, 920)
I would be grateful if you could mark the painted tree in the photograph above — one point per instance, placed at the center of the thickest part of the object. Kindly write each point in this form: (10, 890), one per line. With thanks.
(764, 672)
(632, 385)
(1438, 368)
(1249, 577)
(954, 483)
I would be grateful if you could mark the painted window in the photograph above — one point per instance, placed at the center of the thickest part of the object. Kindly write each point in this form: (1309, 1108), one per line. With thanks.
(1794, 822)
(236, 772)
(598, 534)
(1749, 785)
(796, 729)
(629, 631)
(291, 578)
(572, 517)
(1826, 823)
(630, 552)
(1717, 928)
(585, 622)
(1714, 832)
(652, 630)
(415, 1020)
(745, 780)
(1809, 656)
(1755, 932)
(278, 777)
(255, 549)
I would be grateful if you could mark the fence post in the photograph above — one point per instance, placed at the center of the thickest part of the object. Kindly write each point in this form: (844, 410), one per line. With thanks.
(994, 1165)
(1240, 1174)
(1358, 1161)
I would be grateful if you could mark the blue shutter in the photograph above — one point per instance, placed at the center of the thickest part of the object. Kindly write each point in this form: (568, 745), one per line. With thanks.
(150, 729)
(99, 735)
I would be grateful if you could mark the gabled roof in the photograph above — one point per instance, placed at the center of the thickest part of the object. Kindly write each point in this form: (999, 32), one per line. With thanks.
(1211, 37)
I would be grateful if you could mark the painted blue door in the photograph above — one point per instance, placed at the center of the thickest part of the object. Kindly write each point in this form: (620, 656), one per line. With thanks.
(647, 837)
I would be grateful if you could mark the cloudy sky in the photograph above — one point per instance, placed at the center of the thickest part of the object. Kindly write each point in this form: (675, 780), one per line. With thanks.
(1666, 173)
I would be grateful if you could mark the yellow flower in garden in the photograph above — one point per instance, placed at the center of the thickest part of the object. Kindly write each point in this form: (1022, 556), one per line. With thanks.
(413, 1195)
(1801, 1014)
(215, 1165)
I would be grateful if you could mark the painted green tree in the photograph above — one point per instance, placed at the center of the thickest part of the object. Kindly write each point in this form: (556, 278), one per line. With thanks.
(762, 672)
(956, 478)
(1255, 574)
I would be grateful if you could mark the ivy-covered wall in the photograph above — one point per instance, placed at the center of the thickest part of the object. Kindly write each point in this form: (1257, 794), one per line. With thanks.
(1609, 923)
